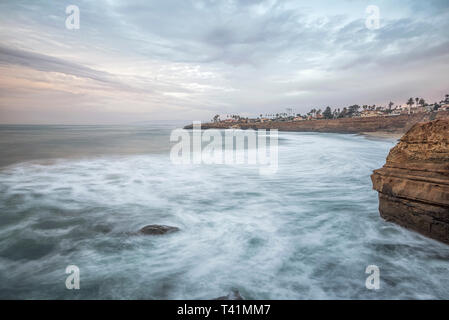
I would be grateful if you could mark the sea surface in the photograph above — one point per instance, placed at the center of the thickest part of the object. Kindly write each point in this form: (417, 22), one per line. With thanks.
(74, 195)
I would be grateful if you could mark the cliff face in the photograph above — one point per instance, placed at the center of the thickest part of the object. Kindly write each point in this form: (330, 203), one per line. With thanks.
(413, 185)
(394, 124)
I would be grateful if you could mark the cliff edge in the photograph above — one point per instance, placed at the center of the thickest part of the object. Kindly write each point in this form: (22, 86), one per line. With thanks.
(413, 185)
(387, 124)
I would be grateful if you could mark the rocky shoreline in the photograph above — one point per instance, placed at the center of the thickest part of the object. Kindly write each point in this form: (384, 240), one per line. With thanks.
(382, 124)
(382, 135)
(413, 185)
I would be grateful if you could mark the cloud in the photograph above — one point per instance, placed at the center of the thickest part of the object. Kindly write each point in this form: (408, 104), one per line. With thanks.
(206, 56)
(48, 63)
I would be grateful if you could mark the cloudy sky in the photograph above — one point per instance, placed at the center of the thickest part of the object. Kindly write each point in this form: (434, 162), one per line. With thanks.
(142, 60)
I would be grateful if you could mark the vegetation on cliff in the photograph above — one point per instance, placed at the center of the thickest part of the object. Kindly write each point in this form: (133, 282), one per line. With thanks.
(413, 105)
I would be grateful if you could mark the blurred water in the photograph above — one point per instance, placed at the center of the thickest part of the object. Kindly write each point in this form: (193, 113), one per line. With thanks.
(71, 195)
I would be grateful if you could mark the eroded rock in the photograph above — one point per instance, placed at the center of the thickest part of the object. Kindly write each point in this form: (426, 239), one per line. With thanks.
(413, 185)
(154, 229)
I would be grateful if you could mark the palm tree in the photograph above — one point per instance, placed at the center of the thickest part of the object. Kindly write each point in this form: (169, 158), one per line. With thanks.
(335, 114)
(410, 103)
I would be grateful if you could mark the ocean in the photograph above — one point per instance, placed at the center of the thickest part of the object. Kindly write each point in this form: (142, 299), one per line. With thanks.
(75, 195)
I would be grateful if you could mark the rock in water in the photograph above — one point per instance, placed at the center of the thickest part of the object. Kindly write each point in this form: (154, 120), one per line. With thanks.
(413, 185)
(233, 295)
(155, 229)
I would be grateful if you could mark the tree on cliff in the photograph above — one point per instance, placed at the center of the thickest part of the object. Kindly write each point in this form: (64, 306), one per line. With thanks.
(343, 113)
(390, 105)
(216, 118)
(335, 113)
(422, 102)
(410, 103)
(327, 113)
(353, 110)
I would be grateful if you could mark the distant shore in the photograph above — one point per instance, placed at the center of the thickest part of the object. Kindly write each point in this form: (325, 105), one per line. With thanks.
(379, 126)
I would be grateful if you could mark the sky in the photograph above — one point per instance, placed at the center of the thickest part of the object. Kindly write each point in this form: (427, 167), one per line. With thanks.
(136, 61)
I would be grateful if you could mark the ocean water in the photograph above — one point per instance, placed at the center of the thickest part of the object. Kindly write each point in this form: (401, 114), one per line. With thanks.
(73, 195)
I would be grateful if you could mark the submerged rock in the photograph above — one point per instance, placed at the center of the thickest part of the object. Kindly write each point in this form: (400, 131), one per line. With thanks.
(154, 229)
(233, 295)
(413, 185)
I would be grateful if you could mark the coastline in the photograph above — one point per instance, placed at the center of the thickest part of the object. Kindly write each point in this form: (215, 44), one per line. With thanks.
(378, 127)
(383, 135)
(413, 185)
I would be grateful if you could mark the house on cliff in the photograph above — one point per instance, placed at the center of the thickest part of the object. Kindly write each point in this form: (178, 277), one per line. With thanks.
(370, 113)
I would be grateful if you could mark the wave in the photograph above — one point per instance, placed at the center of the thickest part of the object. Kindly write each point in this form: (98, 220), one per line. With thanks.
(306, 232)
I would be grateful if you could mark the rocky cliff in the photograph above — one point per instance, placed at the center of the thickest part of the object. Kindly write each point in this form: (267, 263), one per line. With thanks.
(390, 124)
(413, 185)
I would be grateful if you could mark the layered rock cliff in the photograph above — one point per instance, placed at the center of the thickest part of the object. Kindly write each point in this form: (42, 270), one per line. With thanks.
(413, 185)
(389, 124)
